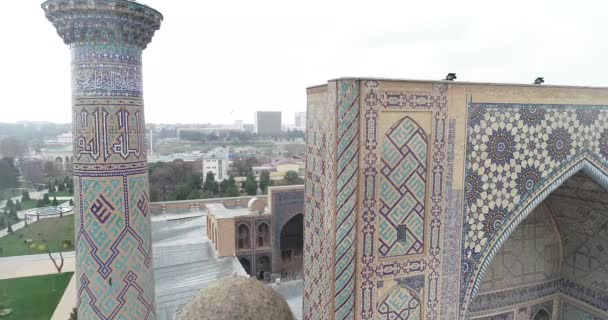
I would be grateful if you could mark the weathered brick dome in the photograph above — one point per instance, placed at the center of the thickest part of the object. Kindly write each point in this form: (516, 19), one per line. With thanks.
(237, 298)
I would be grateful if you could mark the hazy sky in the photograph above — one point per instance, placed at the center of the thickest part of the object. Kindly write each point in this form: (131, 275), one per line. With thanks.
(218, 61)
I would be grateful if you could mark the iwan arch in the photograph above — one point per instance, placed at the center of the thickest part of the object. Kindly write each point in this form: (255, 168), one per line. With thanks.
(451, 200)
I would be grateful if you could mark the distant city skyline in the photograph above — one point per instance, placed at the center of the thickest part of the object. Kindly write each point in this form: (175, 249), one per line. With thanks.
(217, 61)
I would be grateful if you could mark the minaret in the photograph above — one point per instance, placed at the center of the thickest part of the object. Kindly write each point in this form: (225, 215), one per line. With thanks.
(114, 267)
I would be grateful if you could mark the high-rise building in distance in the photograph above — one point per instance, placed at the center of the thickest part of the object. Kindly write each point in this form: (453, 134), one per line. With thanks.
(268, 123)
(300, 121)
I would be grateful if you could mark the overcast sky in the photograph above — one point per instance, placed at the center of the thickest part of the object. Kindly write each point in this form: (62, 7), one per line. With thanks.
(219, 61)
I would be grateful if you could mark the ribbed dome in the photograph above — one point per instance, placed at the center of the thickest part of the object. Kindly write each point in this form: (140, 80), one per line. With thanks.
(237, 298)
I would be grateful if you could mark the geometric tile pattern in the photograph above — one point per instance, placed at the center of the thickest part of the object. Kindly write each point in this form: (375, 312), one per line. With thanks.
(347, 198)
(402, 189)
(319, 206)
(114, 269)
(530, 255)
(400, 303)
(502, 316)
(374, 266)
(579, 209)
(569, 311)
(516, 155)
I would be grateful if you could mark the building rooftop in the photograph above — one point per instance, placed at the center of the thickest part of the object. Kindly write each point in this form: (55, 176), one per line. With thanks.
(292, 292)
(531, 84)
(185, 262)
(217, 153)
(221, 212)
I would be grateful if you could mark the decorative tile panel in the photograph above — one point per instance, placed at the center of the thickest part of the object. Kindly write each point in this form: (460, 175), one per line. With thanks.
(346, 198)
(402, 189)
(319, 206)
(400, 303)
(372, 270)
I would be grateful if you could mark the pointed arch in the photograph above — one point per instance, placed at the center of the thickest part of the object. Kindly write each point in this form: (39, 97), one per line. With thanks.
(263, 235)
(542, 314)
(243, 241)
(402, 189)
(585, 164)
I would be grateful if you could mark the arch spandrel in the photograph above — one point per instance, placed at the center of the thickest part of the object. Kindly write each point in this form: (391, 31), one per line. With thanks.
(516, 156)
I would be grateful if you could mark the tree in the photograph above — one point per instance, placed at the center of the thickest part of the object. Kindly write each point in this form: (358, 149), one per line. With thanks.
(8, 174)
(50, 186)
(36, 145)
(32, 170)
(210, 185)
(18, 206)
(46, 200)
(251, 186)
(13, 213)
(50, 169)
(55, 202)
(243, 166)
(232, 191)
(71, 202)
(45, 248)
(25, 196)
(10, 205)
(13, 147)
(265, 180)
(292, 177)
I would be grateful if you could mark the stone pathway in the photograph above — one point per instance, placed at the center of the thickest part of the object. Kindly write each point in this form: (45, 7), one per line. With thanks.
(67, 302)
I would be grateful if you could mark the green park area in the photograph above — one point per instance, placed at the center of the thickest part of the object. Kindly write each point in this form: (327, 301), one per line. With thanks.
(32, 298)
(47, 234)
(62, 194)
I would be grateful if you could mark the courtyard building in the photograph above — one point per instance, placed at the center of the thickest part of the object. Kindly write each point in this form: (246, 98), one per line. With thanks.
(455, 200)
(266, 234)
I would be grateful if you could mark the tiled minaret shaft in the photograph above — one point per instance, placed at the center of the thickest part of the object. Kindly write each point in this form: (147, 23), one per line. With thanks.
(114, 267)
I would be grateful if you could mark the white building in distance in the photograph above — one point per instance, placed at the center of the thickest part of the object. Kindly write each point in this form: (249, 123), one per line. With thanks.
(216, 161)
(300, 123)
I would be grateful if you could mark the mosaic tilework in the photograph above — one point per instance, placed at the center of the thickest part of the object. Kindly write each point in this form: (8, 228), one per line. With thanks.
(400, 303)
(402, 189)
(347, 198)
(319, 206)
(114, 268)
(502, 316)
(450, 264)
(286, 204)
(372, 268)
(516, 156)
(569, 311)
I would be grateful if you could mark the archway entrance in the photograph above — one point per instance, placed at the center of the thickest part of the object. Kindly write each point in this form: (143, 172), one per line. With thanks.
(262, 267)
(292, 244)
(246, 264)
(554, 264)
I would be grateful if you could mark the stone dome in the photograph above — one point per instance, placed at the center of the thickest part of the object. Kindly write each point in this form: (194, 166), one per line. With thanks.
(237, 298)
